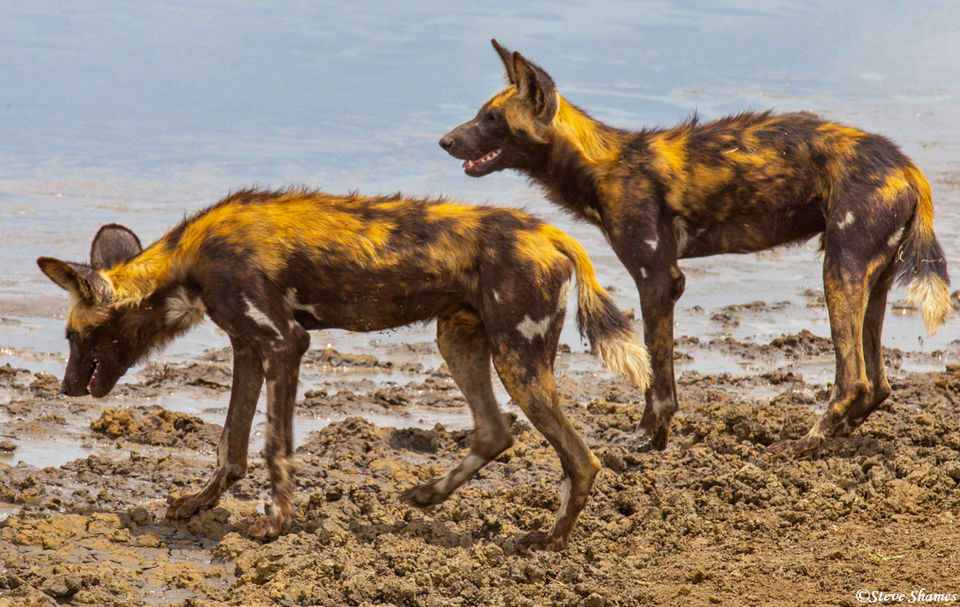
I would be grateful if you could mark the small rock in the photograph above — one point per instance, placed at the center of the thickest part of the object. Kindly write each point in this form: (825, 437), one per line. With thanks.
(594, 600)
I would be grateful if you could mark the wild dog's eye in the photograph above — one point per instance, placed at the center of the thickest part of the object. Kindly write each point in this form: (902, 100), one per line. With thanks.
(492, 116)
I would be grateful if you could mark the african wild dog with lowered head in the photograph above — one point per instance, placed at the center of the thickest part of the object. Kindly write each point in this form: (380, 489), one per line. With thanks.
(739, 184)
(268, 266)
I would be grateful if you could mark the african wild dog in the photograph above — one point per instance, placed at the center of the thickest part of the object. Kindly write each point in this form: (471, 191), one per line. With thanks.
(739, 184)
(268, 266)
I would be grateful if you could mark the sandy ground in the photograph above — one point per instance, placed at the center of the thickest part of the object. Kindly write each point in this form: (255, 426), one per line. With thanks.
(714, 520)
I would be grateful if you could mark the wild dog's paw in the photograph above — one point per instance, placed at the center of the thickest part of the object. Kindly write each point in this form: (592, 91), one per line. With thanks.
(540, 540)
(426, 494)
(267, 526)
(186, 506)
(645, 440)
(796, 448)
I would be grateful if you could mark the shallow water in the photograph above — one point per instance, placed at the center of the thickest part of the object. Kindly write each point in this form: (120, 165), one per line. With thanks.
(140, 114)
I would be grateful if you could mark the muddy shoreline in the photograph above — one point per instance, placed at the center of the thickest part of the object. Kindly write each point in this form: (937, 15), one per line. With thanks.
(715, 519)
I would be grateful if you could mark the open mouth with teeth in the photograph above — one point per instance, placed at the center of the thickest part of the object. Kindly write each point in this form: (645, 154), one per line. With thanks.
(94, 372)
(482, 164)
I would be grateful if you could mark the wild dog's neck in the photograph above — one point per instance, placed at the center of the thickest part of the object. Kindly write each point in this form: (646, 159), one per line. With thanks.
(135, 280)
(580, 151)
(158, 319)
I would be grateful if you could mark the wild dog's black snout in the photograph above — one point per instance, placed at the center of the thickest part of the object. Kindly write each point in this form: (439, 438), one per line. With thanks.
(72, 389)
(446, 142)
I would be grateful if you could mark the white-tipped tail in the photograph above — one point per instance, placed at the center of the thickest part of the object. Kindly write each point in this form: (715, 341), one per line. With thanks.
(601, 322)
(623, 353)
(931, 295)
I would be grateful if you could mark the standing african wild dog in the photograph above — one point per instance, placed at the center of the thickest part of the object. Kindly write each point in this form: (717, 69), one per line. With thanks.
(736, 185)
(267, 266)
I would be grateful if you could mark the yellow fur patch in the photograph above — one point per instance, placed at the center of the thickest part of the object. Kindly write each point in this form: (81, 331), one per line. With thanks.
(841, 141)
(893, 185)
(271, 230)
(582, 132)
(671, 153)
(500, 98)
(82, 316)
(756, 157)
(538, 248)
(925, 202)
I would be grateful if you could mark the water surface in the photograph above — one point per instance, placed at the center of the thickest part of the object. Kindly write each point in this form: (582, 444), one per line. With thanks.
(140, 113)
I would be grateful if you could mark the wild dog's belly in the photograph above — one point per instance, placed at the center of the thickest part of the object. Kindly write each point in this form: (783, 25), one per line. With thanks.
(371, 308)
(746, 233)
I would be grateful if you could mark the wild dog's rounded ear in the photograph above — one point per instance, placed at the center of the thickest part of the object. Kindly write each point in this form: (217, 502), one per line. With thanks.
(73, 277)
(507, 58)
(536, 86)
(113, 244)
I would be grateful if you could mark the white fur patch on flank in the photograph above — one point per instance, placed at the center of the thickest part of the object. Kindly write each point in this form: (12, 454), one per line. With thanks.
(184, 310)
(496, 297)
(895, 239)
(653, 242)
(259, 317)
(932, 296)
(848, 220)
(623, 353)
(532, 329)
(643, 273)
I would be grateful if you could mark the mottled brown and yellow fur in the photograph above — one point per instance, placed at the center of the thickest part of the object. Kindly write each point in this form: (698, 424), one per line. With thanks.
(268, 266)
(739, 184)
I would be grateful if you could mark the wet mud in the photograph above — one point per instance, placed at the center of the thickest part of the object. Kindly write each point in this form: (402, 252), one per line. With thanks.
(713, 520)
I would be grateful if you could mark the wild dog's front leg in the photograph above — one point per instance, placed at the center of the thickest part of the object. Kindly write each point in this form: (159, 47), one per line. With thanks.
(658, 294)
(648, 248)
(232, 451)
(282, 368)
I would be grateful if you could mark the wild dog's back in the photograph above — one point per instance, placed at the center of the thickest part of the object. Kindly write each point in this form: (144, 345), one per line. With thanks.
(352, 262)
(756, 180)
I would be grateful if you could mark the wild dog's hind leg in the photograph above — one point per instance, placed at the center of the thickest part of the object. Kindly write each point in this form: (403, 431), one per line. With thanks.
(527, 375)
(848, 275)
(879, 387)
(523, 354)
(462, 341)
(232, 450)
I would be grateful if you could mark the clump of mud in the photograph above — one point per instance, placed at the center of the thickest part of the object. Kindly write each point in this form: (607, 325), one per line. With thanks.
(155, 425)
